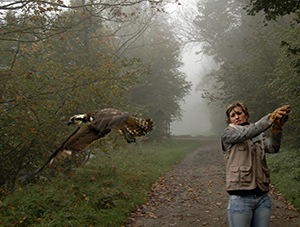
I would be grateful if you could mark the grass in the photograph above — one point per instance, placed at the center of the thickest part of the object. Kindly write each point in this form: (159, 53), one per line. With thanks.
(285, 174)
(102, 193)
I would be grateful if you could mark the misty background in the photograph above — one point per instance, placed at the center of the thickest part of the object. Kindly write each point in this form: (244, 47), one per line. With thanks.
(178, 62)
(195, 120)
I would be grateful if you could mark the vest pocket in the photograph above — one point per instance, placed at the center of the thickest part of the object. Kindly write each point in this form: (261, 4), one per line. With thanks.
(242, 174)
(246, 174)
(234, 175)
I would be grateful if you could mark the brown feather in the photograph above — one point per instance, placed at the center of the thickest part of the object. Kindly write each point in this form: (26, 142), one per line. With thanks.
(137, 126)
(95, 126)
(99, 123)
(84, 137)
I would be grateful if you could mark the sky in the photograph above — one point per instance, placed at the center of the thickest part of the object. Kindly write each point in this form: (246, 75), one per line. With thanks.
(195, 119)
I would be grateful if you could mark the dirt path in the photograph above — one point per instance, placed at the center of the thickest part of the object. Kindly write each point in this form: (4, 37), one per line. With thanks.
(193, 194)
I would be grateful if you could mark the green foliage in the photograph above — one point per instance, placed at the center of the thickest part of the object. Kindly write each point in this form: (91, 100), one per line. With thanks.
(255, 65)
(46, 19)
(285, 174)
(164, 86)
(56, 63)
(102, 193)
(42, 83)
(274, 9)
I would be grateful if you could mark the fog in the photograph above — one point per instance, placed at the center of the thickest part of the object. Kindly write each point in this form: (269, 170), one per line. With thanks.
(195, 120)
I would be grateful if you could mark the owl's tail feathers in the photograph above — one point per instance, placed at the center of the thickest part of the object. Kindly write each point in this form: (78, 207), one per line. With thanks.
(145, 125)
(135, 127)
(138, 126)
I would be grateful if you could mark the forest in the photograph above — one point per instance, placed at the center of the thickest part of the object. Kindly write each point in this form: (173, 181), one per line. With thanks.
(60, 58)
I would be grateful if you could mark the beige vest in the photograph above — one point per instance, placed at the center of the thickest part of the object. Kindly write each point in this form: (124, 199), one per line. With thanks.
(246, 166)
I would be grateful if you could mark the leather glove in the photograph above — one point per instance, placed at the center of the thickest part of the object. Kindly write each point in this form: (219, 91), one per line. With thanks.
(278, 123)
(279, 113)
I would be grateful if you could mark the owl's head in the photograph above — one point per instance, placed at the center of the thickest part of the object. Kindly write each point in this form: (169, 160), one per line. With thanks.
(79, 119)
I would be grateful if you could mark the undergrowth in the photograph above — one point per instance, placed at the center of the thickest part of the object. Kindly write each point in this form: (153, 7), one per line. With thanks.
(102, 193)
(285, 174)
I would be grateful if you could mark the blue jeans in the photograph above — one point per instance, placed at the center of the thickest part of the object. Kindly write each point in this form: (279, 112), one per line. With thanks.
(249, 210)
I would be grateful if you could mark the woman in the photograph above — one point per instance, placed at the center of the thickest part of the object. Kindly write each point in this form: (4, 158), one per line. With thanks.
(247, 176)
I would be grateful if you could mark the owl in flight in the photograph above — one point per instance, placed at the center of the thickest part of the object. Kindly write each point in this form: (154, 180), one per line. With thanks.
(95, 125)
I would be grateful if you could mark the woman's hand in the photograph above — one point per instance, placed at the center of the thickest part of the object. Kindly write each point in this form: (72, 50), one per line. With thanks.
(279, 113)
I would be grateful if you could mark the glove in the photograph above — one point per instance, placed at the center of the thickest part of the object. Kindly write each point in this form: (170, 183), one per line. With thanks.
(278, 123)
(280, 113)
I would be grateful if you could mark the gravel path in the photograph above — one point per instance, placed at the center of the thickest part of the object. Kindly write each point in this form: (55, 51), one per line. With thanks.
(193, 194)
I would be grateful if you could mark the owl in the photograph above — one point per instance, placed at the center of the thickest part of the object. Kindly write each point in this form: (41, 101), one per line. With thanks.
(94, 126)
(97, 124)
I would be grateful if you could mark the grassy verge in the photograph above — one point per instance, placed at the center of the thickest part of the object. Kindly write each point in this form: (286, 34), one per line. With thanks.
(285, 174)
(100, 194)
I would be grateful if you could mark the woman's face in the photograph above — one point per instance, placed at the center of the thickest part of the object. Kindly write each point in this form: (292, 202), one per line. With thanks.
(237, 116)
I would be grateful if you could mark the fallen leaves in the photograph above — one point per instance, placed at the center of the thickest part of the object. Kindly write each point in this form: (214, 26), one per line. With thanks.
(194, 194)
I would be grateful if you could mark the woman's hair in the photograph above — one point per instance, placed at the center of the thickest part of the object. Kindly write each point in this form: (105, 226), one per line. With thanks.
(232, 106)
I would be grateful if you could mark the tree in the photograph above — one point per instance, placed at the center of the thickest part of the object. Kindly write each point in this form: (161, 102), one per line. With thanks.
(31, 11)
(249, 56)
(72, 61)
(286, 82)
(53, 79)
(273, 9)
(165, 85)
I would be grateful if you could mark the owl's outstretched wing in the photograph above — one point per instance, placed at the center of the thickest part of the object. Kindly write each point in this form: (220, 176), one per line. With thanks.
(96, 125)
